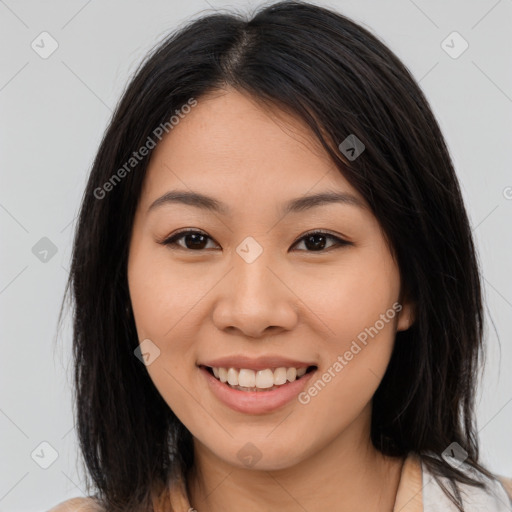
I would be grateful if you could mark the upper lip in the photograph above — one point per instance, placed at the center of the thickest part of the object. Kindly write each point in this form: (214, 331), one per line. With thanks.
(256, 363)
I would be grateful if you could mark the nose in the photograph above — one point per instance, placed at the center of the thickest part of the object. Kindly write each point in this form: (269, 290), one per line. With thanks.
(254, 300)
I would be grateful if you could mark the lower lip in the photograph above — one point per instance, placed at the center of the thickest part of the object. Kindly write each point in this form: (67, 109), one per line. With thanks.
(255, 402)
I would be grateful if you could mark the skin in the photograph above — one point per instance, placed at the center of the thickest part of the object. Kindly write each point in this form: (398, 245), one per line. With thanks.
(292, 300)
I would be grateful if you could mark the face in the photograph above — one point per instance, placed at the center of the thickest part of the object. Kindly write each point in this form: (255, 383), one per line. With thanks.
(251, 288)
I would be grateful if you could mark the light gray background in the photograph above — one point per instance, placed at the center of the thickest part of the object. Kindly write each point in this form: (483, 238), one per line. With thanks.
(53, 114)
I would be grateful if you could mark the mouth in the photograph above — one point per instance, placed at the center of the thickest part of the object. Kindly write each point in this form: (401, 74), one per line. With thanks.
(263, 391)
(265, 380)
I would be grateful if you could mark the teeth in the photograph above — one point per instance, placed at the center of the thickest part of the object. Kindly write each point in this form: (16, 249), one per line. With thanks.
(223, 374)
(280, 376)
(261, 379)
(232, 377)
(247, 378)
(264, 379)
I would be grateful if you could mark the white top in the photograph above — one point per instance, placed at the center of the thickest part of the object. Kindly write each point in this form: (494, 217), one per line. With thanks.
(474, 499)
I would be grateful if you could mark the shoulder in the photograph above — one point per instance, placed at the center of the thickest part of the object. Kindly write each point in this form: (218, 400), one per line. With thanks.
(507, 484)
(77, 505)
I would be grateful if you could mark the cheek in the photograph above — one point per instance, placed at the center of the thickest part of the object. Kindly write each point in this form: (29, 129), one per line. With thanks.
(353, 366)
(353, 296)
(167, 304)
(163, 301)
(161, 294)
(359, 306)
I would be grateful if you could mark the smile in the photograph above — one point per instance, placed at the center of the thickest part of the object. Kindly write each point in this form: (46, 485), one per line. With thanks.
(259, 393)
(245, 379)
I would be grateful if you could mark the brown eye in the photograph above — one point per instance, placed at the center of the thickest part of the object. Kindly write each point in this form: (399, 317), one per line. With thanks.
(192, 240)
(316, 241)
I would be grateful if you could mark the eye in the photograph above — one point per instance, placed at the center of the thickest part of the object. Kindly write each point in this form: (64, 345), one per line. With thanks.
(193, 239)
(317, 240)
(197, 240)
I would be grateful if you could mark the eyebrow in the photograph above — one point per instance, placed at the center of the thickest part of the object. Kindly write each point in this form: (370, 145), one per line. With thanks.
(299, 204)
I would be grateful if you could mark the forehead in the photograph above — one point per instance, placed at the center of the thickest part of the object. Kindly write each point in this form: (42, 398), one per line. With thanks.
(231, 146)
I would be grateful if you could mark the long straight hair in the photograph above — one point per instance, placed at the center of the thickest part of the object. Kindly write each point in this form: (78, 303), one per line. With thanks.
(340, 80)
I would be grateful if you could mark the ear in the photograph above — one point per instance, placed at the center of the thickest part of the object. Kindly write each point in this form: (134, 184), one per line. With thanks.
(406, 316)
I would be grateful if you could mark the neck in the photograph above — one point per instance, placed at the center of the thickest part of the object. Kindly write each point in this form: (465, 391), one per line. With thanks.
(347, 474)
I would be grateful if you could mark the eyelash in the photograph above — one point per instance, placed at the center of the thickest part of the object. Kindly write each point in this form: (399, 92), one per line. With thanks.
(172, 240)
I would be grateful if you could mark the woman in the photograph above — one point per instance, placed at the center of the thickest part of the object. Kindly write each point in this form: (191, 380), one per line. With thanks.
(277, 297)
